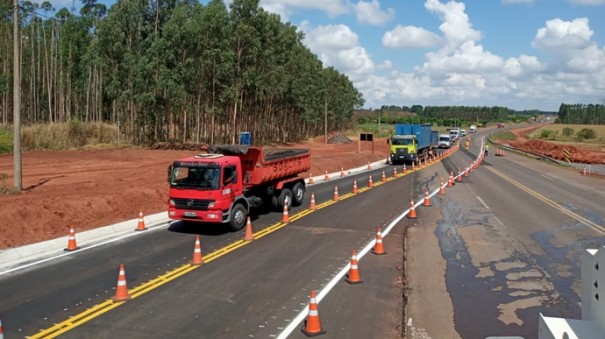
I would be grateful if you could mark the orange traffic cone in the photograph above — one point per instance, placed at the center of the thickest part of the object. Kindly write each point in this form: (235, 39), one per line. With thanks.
(312, 204)
(412, 214)
(71, 240)
(310, 178)
(335, 195)
(369, 166)
(427, 200)
(403, 170)
(285, 218)
(459, 179)
(353, 277)
(466, 172)
(450, 181)
(342, 172)
(121, 289)
(395, 172)
(413, 167)
(370, 183)
(196, 259)
(141, 223)
(248, 236)
(378, 246)
(312, 326)
(354, 186)
(384, 177)
(441, 187)
(326, 177)
(584, 172)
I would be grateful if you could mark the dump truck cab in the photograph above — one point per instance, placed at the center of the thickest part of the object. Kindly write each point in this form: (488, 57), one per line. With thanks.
(207, 187)
(403, 148)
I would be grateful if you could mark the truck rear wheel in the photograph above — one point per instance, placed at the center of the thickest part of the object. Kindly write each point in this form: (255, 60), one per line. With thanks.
(284, 199)
(298, 194)
(237, 218)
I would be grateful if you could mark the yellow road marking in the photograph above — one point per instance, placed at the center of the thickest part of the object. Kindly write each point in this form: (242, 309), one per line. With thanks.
(167, 277)
(598, 228)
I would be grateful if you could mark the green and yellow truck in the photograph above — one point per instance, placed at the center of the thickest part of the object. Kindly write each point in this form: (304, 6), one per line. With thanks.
(412, 143)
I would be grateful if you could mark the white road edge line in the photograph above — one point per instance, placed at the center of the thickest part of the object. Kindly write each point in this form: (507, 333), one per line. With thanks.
(482, 202)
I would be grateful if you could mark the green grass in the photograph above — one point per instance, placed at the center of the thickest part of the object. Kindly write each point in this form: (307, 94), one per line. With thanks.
(503, 136)
(6, 139)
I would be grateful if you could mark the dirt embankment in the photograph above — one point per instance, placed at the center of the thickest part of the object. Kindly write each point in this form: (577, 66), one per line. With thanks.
(93, 188)
(554, 150)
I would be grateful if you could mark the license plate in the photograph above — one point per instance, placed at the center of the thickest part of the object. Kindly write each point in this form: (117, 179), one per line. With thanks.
(190, 214)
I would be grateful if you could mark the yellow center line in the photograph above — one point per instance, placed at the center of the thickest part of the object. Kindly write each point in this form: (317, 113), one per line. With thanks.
(598, 228)
(167, 277)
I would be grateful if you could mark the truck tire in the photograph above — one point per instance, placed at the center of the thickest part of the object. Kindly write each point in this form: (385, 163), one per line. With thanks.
(284, 199)
(237, 218)
(298, 194)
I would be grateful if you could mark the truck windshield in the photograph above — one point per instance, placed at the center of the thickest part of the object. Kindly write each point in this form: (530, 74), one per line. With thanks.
(195, 177)
(402, 141)
(444, 138)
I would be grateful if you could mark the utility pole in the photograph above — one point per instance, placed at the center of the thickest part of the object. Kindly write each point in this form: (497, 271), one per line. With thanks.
(326, 120)
(17, 181)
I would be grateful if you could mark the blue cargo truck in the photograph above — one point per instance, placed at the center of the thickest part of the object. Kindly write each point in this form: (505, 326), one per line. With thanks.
(412, 143)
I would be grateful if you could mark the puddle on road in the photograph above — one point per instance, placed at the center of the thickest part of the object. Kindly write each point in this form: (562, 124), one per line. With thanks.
(495, 282)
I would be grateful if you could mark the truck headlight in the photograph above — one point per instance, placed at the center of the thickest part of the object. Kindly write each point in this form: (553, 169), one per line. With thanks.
(211, 205)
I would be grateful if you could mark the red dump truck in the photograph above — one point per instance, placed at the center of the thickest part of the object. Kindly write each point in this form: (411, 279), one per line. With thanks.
(224, 184)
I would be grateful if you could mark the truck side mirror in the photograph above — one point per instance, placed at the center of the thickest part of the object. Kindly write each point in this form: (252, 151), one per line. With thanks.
(169, 172)
(388, 141)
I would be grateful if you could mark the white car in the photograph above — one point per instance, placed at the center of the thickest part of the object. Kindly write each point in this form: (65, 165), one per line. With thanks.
(462, 132)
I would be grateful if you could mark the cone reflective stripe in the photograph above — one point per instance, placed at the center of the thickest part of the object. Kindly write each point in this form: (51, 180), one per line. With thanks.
(412, 214)
(141, 223)
(427, 200)
(384, 177)
(121, 288)
(310, 178)
(459, 176)
(312, 326)
(248, 236)
(312, 204)
(326, 177)
(71, 240)
(285, 218)
(370, 183)
(378, 246)
(354, 186)
(353, 277)
(342, 172)
(197, 252)
(335, 195)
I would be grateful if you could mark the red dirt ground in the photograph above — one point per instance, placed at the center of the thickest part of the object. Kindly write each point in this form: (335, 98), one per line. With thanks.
(555, 150)
(93, 188)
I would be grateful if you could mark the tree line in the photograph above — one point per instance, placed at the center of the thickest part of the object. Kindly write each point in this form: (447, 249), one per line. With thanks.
(592, 114)
(172, 70)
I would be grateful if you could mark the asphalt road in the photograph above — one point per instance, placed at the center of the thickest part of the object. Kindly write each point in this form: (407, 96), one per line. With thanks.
(510, 240)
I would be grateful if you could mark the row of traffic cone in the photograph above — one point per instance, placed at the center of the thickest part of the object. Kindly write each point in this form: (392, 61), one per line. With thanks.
(71, 238)
(312, 324)
(500, 153)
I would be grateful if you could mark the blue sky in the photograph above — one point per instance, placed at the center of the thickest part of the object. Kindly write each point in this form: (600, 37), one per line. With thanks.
(523, 54)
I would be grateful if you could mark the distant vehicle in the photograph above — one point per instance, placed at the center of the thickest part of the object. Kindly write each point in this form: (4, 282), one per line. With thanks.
(500, 125)
(445, 141)
(412, 142)
(473, 129)
(462, 132)
(454, 134)
(223, 185)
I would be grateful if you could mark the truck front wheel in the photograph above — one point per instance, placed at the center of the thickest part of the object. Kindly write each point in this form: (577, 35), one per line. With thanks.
(237, 219)
(285, 199)
(298, 194)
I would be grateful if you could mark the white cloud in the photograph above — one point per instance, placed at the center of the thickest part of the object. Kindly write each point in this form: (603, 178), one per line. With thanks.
(338, 46)
(469, 58)
(370, 13)
(410, 36)
(522, 66)
(560, 34)
(456, 26)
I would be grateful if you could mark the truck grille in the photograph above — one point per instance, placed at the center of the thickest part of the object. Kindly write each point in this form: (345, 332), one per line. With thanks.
(192, 204)
(402, 151)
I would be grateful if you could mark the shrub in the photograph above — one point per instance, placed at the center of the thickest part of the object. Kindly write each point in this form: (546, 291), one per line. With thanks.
(586, 133)
(547, 134)
(567, 131)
